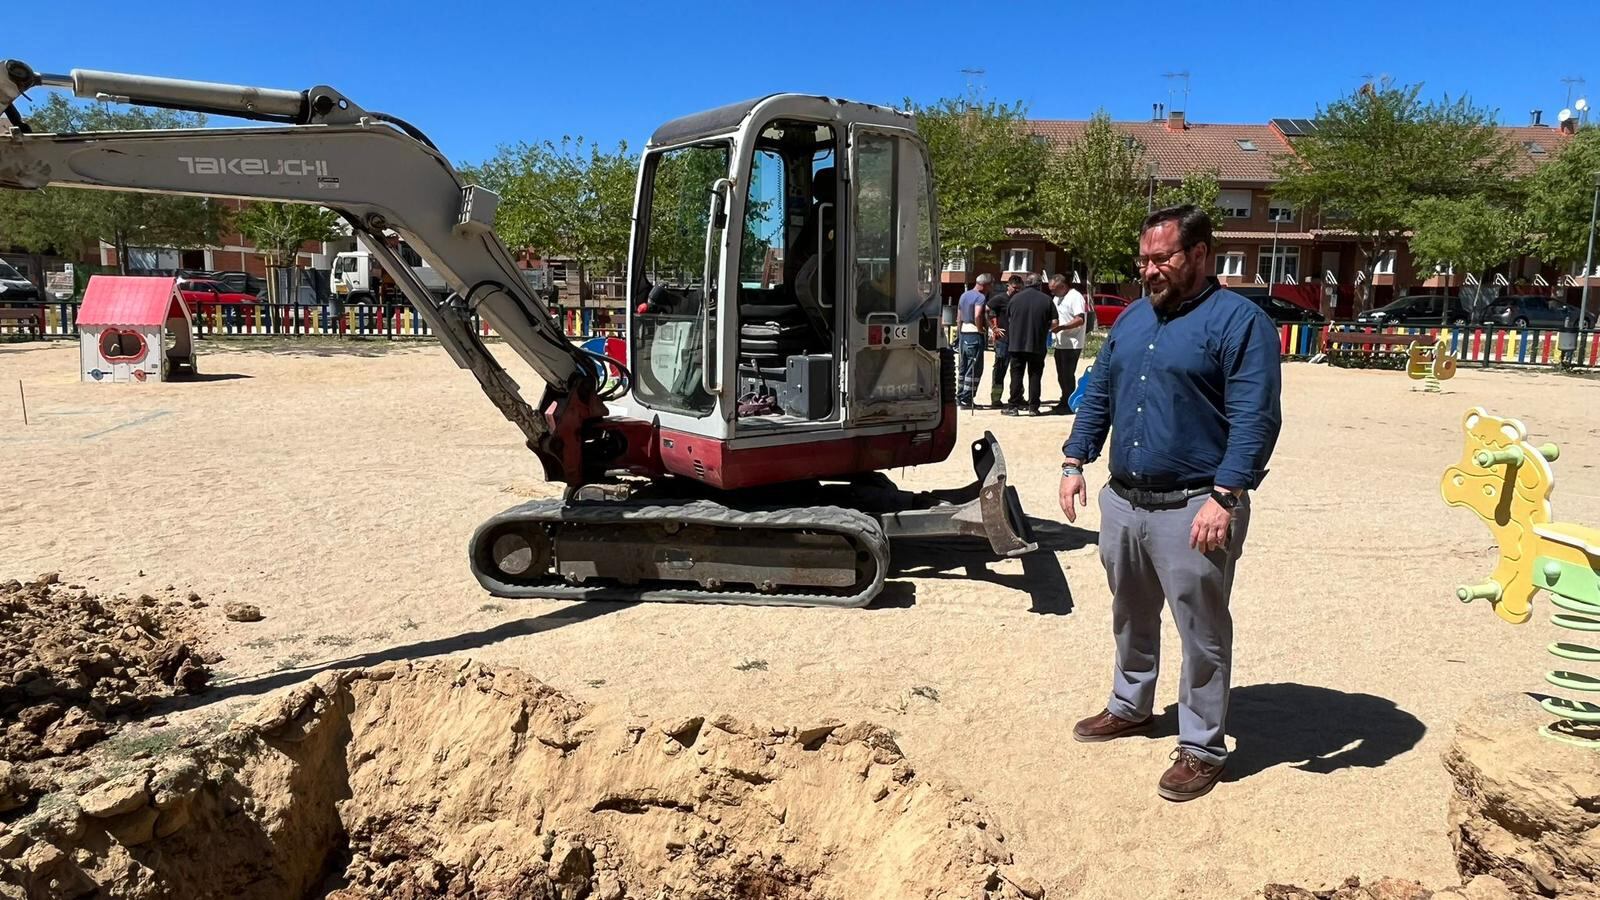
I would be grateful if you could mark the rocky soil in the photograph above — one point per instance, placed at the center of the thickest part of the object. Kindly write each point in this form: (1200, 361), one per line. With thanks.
(74, 667)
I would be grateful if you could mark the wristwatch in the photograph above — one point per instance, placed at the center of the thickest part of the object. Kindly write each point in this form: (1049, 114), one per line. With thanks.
(1224, 499)
(1070, 469)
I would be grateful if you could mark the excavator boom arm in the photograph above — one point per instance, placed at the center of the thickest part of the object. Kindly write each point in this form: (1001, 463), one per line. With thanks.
(328, 152)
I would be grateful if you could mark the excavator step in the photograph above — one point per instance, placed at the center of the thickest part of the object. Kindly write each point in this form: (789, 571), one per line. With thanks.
(699, 551)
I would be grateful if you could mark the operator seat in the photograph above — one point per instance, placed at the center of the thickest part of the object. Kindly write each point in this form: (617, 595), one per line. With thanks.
(770, 333)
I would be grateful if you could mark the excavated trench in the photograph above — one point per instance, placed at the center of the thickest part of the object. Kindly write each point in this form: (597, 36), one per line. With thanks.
(451, 779)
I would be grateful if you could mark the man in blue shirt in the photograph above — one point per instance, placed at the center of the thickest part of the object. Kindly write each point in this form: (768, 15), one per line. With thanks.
(1187, 385)
(970, 338)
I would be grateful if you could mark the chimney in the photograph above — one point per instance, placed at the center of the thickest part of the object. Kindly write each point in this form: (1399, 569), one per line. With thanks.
(1155, 112)
(1569, 126)
(1536, 115)
(1175, 120)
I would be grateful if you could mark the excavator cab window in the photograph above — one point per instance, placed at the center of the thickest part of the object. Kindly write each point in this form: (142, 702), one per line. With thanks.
(674, 321)
(787, 270)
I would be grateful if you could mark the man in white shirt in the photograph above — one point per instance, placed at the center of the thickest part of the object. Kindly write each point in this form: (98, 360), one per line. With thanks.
(1070, 331)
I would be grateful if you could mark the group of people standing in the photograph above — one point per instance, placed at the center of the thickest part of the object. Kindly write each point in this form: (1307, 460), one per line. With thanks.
(1022, 321)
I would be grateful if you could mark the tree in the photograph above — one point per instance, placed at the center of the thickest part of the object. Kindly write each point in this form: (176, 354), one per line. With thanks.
(1093, 198)
(1200, 189)
(571, 200)
(1381, 149)
(1561, 198)
(278, 230)
(68, 220)
(985, 169)
(1471, 233)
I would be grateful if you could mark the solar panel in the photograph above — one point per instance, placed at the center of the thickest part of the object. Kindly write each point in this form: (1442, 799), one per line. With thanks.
(1295, 127)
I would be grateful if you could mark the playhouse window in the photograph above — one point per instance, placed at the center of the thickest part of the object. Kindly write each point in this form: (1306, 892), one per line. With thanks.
(122, 346)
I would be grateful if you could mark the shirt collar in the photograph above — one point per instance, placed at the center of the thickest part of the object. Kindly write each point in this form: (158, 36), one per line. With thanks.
(1212, 286)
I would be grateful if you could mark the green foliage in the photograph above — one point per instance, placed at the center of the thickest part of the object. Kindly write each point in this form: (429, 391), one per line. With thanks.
(1472, 233)
(1561, 198)
(1201, 189)
(570, 199)
(1094, 196)
(70, 220)
(278, 230)
(1380, 150)
(985, 169)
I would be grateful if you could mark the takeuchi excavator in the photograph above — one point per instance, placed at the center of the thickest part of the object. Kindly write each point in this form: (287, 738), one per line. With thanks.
(783, 325)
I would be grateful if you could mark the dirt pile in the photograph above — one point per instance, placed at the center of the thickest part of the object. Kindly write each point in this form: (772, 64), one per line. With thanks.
(455, 780)
(74, 666)
(1524, 815)
(1526, 809)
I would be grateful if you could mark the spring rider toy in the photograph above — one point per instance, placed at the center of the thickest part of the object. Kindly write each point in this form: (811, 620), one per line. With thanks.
(1507, 481)
(1430, 364)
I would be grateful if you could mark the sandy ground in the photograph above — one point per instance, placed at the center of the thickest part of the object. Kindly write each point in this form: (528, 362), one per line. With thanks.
(337, 490)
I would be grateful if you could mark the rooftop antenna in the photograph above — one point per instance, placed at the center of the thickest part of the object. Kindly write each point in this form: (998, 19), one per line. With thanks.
(1569, 81)
(1185, 76)
(975, 87)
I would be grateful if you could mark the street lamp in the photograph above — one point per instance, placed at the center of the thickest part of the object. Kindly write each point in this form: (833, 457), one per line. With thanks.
(1588, 263)
(1150, 171)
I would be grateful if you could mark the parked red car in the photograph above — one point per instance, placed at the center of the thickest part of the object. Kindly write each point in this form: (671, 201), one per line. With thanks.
(197, 290)
(206, 298)
(1106, 309)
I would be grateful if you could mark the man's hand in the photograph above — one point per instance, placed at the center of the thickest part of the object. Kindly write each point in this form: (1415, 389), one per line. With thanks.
(1074, 493)
(1210, 529)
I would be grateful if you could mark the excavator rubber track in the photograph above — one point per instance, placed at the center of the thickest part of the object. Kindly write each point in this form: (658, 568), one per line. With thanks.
(697, 551)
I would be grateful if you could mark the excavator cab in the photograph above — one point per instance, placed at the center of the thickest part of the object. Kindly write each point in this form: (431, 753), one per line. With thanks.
(783, 280)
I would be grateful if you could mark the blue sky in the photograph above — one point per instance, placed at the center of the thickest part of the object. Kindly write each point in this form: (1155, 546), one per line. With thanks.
(475, 75)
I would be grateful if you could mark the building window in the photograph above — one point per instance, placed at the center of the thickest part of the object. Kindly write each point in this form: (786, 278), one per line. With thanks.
(1018, 259)
(956, 263)
(1235, 204)
(1247, 146)
(1385, 264)
(1230, 265)
(1285, 268)
(1280, 211)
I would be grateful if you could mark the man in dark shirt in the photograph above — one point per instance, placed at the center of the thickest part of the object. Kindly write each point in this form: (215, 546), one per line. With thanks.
(1187, 385)
(995, 310)
(1029, 315)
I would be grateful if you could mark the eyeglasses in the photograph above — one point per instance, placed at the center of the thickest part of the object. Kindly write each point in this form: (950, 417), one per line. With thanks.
(1160, 260)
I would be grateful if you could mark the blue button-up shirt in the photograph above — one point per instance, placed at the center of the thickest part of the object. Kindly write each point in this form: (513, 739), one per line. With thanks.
(1189, 398)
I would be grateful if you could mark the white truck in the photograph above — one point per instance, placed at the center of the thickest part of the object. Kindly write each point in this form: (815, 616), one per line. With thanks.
(358, 278)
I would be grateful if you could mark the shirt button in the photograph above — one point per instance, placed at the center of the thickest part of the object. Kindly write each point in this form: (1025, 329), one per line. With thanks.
(1138, 409)
(1152, 347)
(1141, 377)
(1136, 443)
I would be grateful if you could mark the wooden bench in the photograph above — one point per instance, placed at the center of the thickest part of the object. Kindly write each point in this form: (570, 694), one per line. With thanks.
(17, 315)
(1374, 347)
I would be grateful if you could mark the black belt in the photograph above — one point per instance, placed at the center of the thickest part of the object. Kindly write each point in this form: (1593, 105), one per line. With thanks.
(1149, 498)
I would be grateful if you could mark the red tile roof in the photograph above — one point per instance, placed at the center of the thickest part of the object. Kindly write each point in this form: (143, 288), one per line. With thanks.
(1196, 148)
(1201, 147)
(129, 300)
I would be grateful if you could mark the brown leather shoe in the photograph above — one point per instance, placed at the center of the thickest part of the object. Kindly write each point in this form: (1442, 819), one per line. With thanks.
(1105, 725)
(1188, 778)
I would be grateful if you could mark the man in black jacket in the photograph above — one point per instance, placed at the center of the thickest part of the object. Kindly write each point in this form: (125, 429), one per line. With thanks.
(1029, 317)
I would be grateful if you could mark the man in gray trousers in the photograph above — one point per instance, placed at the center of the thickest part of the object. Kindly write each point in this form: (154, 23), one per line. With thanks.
(1188, 386)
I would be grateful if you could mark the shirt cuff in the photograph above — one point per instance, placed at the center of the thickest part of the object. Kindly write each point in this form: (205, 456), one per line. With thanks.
(1238, 478)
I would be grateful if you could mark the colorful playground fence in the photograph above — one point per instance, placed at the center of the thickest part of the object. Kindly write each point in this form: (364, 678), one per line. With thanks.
(265, 319)
(1475, 345)
(1479, 345)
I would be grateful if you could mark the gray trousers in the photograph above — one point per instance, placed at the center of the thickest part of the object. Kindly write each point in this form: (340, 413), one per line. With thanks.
(1148, 560)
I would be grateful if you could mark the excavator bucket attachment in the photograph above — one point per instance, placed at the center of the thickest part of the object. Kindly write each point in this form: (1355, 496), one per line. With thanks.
(988, 508)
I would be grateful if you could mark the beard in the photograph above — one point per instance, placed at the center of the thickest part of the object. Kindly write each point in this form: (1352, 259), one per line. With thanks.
(1175, 288)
